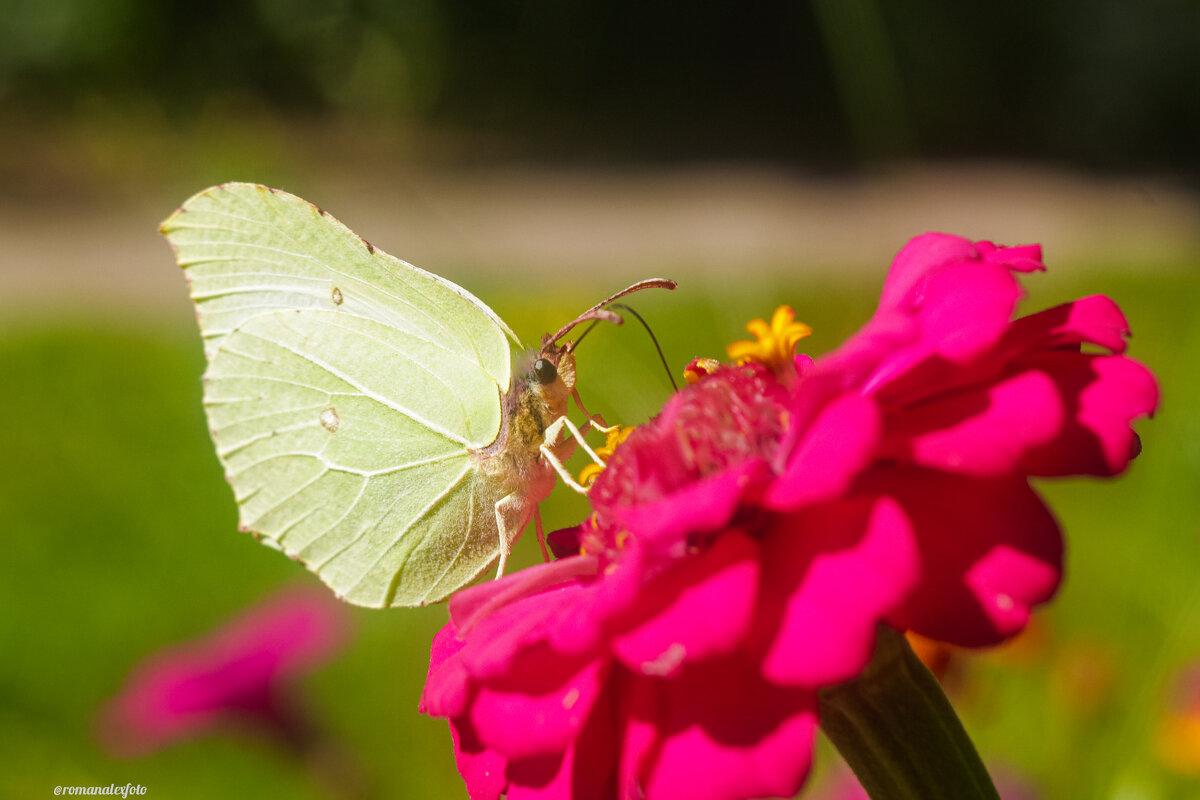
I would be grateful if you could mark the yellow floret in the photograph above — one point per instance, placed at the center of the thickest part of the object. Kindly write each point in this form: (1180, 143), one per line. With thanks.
(774, 345)
(612, 438)
(699, 368)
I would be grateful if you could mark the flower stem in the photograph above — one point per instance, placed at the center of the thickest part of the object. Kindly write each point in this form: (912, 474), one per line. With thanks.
(898, 732)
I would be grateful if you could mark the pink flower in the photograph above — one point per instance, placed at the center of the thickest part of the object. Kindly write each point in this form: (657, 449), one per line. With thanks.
(746, 542)
(240, 673)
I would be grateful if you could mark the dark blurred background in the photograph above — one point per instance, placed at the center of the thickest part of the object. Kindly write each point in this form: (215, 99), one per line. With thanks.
(544, 154)
(1099, 84)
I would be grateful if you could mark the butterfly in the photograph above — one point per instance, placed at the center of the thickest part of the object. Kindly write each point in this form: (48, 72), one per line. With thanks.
(371, 416)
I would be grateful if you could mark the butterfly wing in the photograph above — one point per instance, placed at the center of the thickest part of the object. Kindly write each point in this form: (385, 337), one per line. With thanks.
(345, 390)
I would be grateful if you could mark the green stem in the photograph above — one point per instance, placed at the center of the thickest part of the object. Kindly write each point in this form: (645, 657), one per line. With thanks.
(898, 732)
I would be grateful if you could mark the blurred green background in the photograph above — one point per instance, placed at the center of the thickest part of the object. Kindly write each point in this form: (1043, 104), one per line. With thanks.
(544, 155)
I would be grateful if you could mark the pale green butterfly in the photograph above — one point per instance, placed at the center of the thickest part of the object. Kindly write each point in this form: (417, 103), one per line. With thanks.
(369, 414)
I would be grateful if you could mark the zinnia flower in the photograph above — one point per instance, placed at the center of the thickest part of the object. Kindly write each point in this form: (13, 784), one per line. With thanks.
(240, 673)
(745, 544)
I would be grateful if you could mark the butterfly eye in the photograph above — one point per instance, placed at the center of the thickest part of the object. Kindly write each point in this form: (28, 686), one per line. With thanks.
(544, 371)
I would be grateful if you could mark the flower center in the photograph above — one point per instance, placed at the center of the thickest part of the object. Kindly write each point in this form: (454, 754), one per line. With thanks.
(733, 414)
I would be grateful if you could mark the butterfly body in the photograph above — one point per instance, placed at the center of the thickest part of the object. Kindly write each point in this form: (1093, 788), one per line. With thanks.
(515, 462)
(529, 410)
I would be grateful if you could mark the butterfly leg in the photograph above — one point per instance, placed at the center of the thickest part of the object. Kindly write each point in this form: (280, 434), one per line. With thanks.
(597, 421)
(579, 402)
(512, 515)
(598, 424)
(552, 459)
(541, 533)
(550, 443)
(555, 429)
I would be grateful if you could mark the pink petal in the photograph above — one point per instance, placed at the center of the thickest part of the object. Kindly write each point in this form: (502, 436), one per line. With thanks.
(569, 621)
(591, 620)
(641, 709)
(609, 605)
(538, 716)
(587, 770)
(831, 573)
(564, 542)
(1092, 320)
(699, 609)
(850, 366)
(990, 552)
(1022, 258)
(702, 506)
(544, 777)
(725, 734)
(1005, 573)
(482, 770)
(979, 431)
(963, 311)
(288, 633)
(1102, 396)
(921, 256)
(447, 684)
(1089, 320)
(295, 629)
(470, 605)
(503, 641)
(837, 445)
(236, 671)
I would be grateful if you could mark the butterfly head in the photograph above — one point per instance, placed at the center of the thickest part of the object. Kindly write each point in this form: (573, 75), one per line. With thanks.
(551, 373)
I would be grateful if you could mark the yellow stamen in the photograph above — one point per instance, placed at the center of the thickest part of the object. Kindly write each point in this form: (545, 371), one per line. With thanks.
(589, 474)
(774, 345)
(699, 368)
(611, 440)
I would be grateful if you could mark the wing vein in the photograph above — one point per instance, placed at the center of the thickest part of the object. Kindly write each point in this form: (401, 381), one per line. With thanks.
(449, 562)
(384, 401)
(450, 391)
(362, 488)
(286, 499)
(430, 506)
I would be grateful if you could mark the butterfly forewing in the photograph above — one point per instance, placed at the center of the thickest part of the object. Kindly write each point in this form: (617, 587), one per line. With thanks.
(345, 390)
(248, 250)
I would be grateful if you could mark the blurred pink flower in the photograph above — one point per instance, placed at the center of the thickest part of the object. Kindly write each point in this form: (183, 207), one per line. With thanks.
(238, 674)
(746, 542)
(1177, 739)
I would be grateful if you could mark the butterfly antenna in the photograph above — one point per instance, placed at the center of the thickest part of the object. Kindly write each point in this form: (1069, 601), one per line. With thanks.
(586, 331)
(597, 311)
(653, 338)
